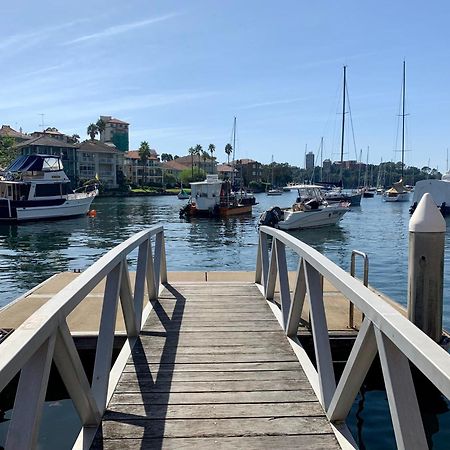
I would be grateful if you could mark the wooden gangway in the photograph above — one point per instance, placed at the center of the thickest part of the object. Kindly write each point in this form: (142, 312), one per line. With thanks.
(215, 363)
(212, 368)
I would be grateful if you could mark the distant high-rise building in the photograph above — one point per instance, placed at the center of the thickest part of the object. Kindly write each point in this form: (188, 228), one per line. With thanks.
(309, 160)
(116, 131)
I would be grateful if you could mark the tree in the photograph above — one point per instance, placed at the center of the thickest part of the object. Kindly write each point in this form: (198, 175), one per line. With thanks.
(166, 157)
(144, 155)
(212, 149)
(192, 153)
(228, 151)
(101, 125)
(7, 152)
(198, 151)
(74, 139)
(92, 130)
(187, 177)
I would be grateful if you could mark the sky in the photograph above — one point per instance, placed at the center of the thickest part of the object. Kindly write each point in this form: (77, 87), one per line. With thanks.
(180, 71)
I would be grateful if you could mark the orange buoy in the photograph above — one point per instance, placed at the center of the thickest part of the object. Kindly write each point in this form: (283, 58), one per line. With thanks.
(92, 213)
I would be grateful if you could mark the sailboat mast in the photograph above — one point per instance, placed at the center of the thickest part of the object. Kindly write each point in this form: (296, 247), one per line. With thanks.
(343, 123)
(234, 149)
(403, 117)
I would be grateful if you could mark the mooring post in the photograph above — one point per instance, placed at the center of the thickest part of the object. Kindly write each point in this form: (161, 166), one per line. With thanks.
(426, 267)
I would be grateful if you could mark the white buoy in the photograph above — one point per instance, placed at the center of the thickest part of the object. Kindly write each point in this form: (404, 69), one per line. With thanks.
(426, 267)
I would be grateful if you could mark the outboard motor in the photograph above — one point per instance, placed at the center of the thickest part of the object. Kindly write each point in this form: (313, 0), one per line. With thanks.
(271, 217)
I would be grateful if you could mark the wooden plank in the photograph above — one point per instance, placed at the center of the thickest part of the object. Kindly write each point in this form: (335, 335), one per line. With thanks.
(188, 398)
(269, 349)
(214, 367)
(149, 385)
(310, 442)
(231, 358)
(125, 412)
(231, 375)
(255, 426)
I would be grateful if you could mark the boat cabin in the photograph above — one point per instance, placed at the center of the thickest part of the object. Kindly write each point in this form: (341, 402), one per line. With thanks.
(206, 194)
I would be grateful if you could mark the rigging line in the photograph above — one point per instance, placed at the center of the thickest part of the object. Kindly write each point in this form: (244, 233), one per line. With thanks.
(351, 122)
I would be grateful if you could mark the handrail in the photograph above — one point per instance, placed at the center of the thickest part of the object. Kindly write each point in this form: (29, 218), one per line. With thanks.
(45, 336)
(365, 279)
(384, 331)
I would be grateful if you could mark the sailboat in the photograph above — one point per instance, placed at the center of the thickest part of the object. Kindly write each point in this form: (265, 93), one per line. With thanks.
(368, 191)
(337, 194)
(398, 192)
(274, 191)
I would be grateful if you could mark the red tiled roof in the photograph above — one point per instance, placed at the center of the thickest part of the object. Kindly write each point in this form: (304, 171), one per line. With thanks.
(224, 168)
(6, 130)
(113, 120)
(134, 154)
(97, 147)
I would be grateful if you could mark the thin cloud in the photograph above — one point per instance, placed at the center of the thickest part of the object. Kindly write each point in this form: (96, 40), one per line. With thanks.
(273, 103)
(120, 29)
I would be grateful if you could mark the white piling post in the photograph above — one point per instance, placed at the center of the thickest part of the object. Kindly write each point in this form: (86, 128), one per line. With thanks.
(426, 267)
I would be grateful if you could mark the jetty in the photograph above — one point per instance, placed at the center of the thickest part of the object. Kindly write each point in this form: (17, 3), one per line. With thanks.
(212, 359)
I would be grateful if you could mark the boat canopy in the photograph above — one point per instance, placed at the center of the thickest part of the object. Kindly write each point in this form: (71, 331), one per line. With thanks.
(397, 188)
(36, 163)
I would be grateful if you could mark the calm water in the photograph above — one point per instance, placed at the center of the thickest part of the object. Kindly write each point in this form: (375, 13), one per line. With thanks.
(30, 253)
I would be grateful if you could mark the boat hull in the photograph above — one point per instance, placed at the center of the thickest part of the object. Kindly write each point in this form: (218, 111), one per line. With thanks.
(297, 220)
(75, 205)
(401, 197)
(235, 210)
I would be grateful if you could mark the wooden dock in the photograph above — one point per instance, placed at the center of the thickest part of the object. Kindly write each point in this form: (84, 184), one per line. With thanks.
(213, 368)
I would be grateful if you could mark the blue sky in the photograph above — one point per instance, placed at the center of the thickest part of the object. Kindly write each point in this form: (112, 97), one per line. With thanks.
(179, 71)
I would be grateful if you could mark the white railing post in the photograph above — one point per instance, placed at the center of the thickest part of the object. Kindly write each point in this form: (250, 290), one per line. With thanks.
(103, 354)
(126, 300)
(163, 272)
(358, 364)
(258, 269)
(139, 283)
(283, 278)
(401, 394)
(322, 349)
(151, 283)
(271, 279)
(24, 427)
(71, 369)
(298, 300)
(158, 259)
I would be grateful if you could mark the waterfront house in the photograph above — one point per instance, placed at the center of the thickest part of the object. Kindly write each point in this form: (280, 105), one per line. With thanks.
(224, 171)
(18, 136)
(173, 168)
(249, 169)
(99, 160)
(140, 173)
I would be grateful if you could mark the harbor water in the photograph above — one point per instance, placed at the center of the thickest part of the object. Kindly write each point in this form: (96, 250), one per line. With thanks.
(31, 252)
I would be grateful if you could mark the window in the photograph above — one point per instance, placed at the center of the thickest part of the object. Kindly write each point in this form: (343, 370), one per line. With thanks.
(48, 190)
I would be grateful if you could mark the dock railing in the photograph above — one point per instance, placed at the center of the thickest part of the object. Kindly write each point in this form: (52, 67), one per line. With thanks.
(45, 336)
(384, 331)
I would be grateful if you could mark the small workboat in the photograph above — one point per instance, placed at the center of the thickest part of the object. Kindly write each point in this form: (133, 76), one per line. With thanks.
(183, 195)
(36, 187)
(310, 210)
(214, 198)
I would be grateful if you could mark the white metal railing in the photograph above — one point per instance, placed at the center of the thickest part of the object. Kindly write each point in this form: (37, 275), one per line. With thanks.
(384, 331)
(45, 336)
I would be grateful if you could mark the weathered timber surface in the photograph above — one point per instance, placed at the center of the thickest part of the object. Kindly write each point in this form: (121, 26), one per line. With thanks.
(213, 369)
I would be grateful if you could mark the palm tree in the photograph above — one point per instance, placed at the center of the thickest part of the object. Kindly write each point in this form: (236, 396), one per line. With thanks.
(198, 151)
(101, 125)
(192, 153)
(144, 154)
(92, 130)
(212, 149)
(228, 151)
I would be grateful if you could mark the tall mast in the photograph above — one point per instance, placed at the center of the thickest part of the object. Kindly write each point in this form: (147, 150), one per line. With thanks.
(343, 122)
(234, 147)
(321, 158)
(403, 117)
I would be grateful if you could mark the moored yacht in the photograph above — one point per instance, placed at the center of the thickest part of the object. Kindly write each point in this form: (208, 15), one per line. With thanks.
(36, 187)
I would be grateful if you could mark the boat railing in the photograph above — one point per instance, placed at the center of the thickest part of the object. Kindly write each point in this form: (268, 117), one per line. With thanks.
(383, 331)
(45, 336)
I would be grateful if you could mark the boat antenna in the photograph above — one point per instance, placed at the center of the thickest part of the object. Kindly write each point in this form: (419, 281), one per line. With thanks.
(447, 161)
(343, 125)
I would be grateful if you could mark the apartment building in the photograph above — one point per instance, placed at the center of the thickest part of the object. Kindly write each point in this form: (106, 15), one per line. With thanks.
(138, 173)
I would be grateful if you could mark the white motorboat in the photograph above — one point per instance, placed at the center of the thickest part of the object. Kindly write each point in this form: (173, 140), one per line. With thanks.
(36, 187)
(309, 211)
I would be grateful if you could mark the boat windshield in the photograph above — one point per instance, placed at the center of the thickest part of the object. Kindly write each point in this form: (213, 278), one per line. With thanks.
(35, 163)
